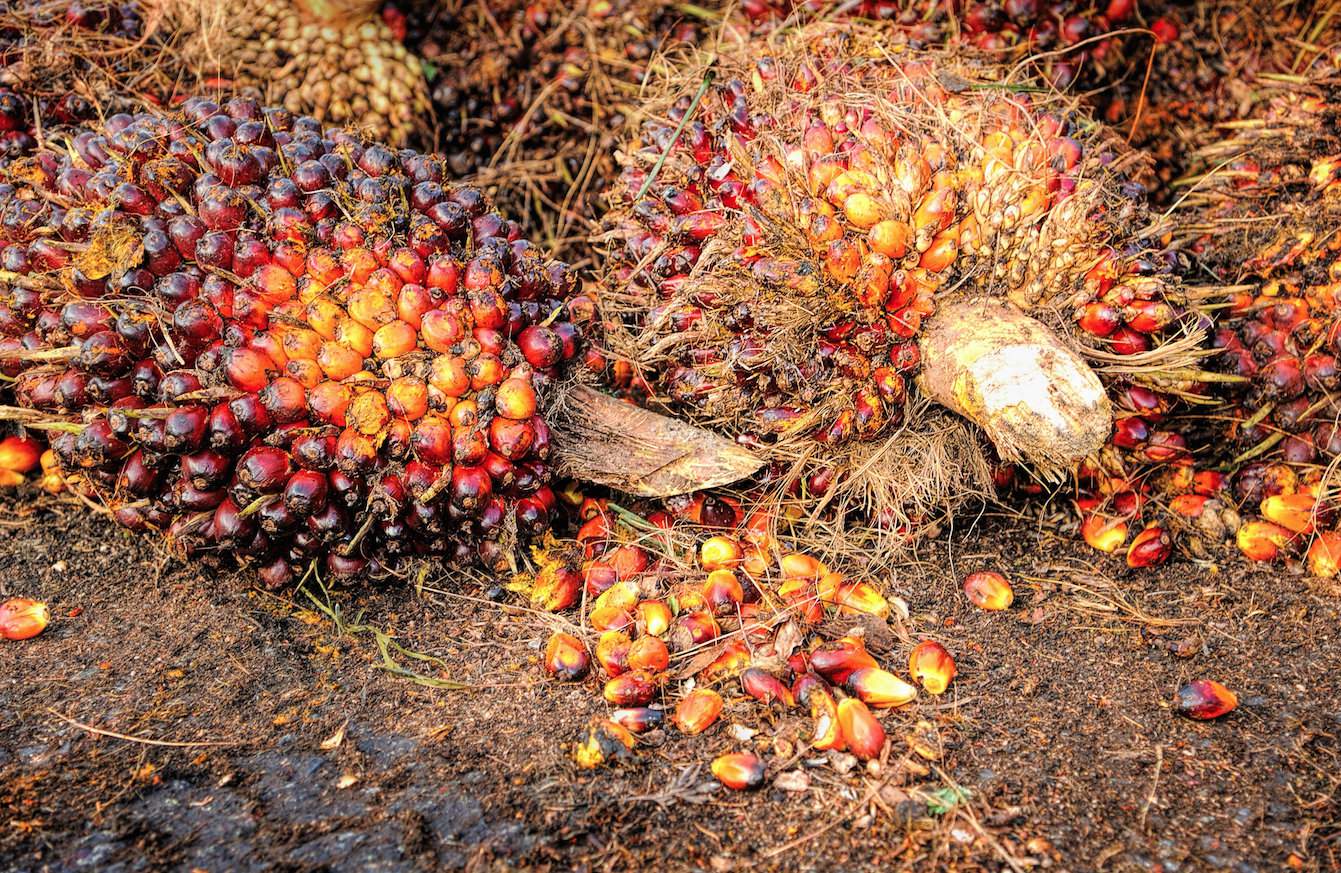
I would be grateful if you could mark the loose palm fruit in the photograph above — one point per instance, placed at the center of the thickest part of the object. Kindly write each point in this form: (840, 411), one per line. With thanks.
(1324, 555)
(635, 688)
(765, 687)
(836, 661)
(719, 553)
(259, 395)
(638, 719)
(857, 598)
(879, 688)
(739, 771)
(989, 590)
(22, 618)
(612, 652)
(655, 617)
(566, 658)
(648, 653)
(1149, 548)
(556, 588)
(811, 691)
(863, 735)
(1294, 512)
(697, 710)
(1204, 699)
(19, 454)
(931, 665)
(602, 742)
(1104, 534)
(1262, 540)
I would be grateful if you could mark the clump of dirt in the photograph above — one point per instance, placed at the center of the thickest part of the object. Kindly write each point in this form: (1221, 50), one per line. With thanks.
(263, 736)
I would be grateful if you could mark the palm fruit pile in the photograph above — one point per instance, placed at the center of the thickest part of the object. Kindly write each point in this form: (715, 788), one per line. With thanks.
(698, 615)
(337, 60)
(536, 92)
(1265, 221)
(280, 342)
(815, 238)
(43, 83)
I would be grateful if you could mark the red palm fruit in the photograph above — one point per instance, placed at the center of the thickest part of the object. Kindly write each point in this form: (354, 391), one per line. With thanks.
(989, 590)
(879, 688)
(739, 771)
(931, 665)
(634, 688)
(566, 658)
(698, 710)
(22, 618)
(602, 742)
(765, 687)
(638, 719)
(863, 735)
(836, 661)
(696, 627)
(1149, 548)
(628, 560)
(1204, 699)
(648, 653)
(612, 652)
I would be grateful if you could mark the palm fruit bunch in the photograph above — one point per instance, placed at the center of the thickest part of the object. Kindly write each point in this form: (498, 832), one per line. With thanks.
(281, 342)
(336, 60)
(44, 81)
(539, 90)
(696, 613)
(815, 239)
(1265, 223)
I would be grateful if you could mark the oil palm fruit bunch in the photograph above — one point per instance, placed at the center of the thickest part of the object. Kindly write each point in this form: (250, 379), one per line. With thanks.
(275, 340)
(538, 90)
(816, 239)
(336, 60)
(1265, 218)
(695, 612)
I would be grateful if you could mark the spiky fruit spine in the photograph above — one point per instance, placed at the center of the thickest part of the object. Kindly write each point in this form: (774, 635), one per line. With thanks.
(784, 230)
(336, 60)
(278, 341)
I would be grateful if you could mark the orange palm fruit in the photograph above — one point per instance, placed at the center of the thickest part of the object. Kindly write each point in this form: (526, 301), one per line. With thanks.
(719, 553)
(722, 591)
(700, 625)
(799, 566)
(608, 618)
(601, 742)
(1262, 540)
(1149, 548)
(862, 210)
(648, 653)
(612, 652)
(22, 618)
(989, 590)
(811, 691)
(19, 454)
(634, 688)
(1104, 534)
(1204, 699)
(1324, 554)
(863, 735)
(655, 617)
(880, 688)
(734, 658)
(566, 658)
(889, 238)
(1294, 512)
(931, 665)
(698, 710)
(739, 771)
(556, 588)
(854, 598)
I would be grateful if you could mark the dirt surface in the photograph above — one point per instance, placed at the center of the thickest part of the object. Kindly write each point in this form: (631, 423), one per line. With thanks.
(279, 742)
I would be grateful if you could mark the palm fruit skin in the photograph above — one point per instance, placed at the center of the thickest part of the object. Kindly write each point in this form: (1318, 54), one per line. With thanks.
(774, 276)
(278, 341)
(336, 60)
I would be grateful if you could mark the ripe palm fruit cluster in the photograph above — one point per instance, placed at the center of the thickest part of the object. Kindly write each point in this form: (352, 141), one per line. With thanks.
(814, 237)
(278, 341)
(336, 60)
(695, 612)
(1265, 222)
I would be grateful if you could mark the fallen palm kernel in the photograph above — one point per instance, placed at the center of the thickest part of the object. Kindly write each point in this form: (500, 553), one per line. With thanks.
(987, 589)
(22, 618)
(858, 598)
(931, 665)
(863, 735)
(739, 771)
(722, 591)
(698, 710)
(1204, 699)
(879, 688)
(813, 693)
(566, 659)
(601, 742)
(307, 373)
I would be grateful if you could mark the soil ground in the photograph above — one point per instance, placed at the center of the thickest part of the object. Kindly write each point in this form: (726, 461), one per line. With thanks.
(257, 733)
